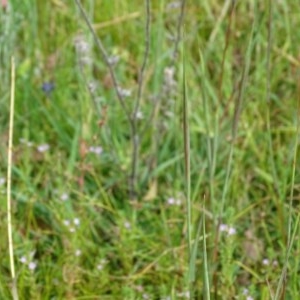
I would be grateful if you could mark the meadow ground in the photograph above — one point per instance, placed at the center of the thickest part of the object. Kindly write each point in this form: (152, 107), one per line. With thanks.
(182, 182)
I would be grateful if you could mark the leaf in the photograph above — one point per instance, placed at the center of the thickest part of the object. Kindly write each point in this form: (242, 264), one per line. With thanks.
(152, 191)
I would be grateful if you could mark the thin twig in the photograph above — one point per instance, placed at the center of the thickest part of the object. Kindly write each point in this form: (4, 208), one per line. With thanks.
(9, 168)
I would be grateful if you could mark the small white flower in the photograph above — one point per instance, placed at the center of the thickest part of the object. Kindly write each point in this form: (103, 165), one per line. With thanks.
(127, 225)
(124, 93)
(32, 265)
(96, 149)
(139, 115)
(275, 263)
(173, 5)
(245, 291)
(2, 181)
(139, 288)
(67, 222)
(169, 81)
(265, 262)
(223, 227)
(171, 201)
(112, 60)
(23, 141)
(249, 298)
(92, 86)
(185, 295)
(169, 73)
(23, 260)
(64, 197)
(85, 60)
(82, 47)
(76, 221)
(102, 264)
(72, 229)
(43, 147)
(231, 231)
(77, 252)
(178, 202)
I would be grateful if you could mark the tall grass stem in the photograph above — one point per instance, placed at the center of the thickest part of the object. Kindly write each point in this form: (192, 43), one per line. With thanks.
(9, 169)
(187, 164)
(237, 113)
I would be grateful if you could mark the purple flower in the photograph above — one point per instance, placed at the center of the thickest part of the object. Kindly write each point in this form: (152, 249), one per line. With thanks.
(48, 87)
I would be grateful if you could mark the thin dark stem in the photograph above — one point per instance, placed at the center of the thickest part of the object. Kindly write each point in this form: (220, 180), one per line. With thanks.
(268, 97)
(237, 112)
(227, 40)
(134, 126)
(178, 34)
(106, 60)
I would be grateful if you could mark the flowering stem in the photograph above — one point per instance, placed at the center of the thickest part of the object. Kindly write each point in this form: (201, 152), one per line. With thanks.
(105, 58)
(134, 127)
(132, 118)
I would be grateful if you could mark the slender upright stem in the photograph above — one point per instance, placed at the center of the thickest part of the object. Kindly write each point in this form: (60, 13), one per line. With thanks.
(178, 34)
(134, 126)
(187, 164)
(106, 59)
(9, 168)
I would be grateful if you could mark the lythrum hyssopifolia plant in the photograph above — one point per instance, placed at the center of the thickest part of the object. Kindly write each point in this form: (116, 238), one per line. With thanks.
(147, 163)
(132, 111)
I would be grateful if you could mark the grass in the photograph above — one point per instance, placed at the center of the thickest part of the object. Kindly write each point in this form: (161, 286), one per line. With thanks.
(204, 203)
